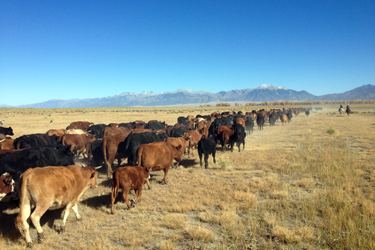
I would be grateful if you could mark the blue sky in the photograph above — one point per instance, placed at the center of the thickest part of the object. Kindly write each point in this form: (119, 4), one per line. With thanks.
(88, 49)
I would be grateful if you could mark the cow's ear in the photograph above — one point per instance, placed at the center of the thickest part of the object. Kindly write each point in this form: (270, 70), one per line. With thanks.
(93, 174)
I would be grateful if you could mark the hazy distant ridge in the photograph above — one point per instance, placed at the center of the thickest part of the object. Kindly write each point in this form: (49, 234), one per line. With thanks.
(263, 93)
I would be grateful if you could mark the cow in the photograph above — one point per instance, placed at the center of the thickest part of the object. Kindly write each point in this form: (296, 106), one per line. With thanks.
(238, 137)
(178, 142)
(158, 156)
(307, 113)
(218, 135)
(155, 125)
(76, 131)
(194, 137)
(206, 146)
(7, 192)
(128, 178)
(35, 141)
(224, 121)
(111, 131)
(129, 147)
(80, 125)
(51, 187)
(272, 119)
(17, 162)
(109, 148)
(6, 143)
(283, 119)
(249, 124)
(95, 154)
(58, 132)
(6, 131)
(97, 130)
(240, 120)
(224, 137)
(78, 143)
(289, 114)
(178, 131)
(260, 121)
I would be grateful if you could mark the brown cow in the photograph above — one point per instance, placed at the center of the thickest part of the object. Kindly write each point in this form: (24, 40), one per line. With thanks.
(194, 137)
(76, 132)
(7, 143)
(109, 147)
(80, 125)
(128, 178)
(51, 188)
(224, 137)
(158, 156)
(58, 132)
(283, 119)
(78, 142)
(111, 131)
(240, 121)
(178, 142)
(7, 193)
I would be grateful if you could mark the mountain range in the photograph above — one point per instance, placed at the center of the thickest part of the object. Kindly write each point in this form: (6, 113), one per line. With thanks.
(183, 97)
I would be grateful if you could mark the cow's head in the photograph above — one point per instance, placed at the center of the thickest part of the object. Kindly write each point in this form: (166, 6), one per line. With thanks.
(7, 184)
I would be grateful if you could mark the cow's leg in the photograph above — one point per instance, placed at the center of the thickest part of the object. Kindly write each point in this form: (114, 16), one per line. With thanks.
(65, 215)
(113, 197)
(21, 222)
(200, 158)
(165, 175)
(35, 218)
(148, 182)
(75, 210)
(139, 194)
(206, 160)
(125, 196)
(213, 156)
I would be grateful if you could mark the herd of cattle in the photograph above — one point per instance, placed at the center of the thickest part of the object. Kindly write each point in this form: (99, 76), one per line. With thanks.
(39, 170)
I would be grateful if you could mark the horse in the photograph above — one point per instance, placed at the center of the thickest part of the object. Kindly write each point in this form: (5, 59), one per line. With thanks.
(341, 110)
(347, 111)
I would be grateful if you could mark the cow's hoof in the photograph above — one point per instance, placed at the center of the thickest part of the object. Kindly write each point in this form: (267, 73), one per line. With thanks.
(60, 229)
(79, 218)
(40, 237)
(29, 244)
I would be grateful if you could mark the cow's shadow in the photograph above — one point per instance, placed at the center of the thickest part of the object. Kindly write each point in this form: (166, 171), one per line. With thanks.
(98, 201)
(187, 163)
(7, 222)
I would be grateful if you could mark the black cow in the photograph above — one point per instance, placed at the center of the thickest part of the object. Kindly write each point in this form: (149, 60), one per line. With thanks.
(18, 162)
(223, 121)
(35, 141)
(96, 154)
(249, 124)
(155, 125)
(97, 130)
(6, 131)
(178, 132)
(307, 112)
(128, 148)
(272, 119)
(260, 121)
(183, 120)
(238, 137)
(130, 125)
(289, 114)
(206, 146)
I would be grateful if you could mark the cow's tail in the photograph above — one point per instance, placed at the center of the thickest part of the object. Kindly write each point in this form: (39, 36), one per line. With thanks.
(104, 149)
(25, 205)
(139, 155)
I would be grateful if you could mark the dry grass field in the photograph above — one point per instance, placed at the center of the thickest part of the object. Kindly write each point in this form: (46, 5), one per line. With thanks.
(294, 187)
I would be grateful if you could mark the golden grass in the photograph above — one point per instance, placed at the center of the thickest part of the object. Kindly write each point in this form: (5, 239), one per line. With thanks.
(294, 187)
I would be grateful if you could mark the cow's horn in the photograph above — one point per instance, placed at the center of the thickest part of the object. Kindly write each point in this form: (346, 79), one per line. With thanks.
(98, 167)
